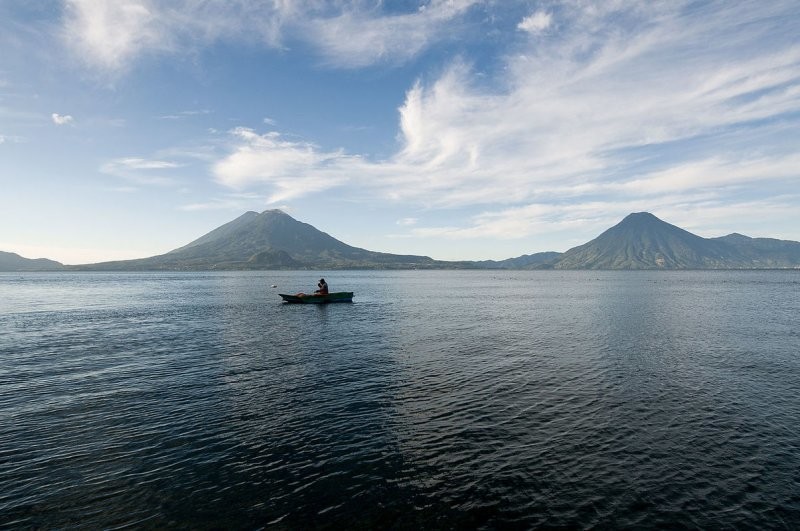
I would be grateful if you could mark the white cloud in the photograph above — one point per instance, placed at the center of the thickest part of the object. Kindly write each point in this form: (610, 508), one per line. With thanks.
(11, 139)
(712, 173)
(144, 164)
(111, 35)
(289, 169)
(536, 23)
(639, 106)
(60, 119)
(141, 171)
(357, 37)
(184, 114)
(570, 122)
(407, 222)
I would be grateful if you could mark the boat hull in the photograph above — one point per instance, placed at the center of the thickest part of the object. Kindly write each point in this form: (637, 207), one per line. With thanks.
(341, 296)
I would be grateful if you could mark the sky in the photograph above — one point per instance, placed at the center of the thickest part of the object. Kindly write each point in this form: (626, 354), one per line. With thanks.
(456, 129)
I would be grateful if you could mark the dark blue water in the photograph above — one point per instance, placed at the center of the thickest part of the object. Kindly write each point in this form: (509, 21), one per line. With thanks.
(435, 400)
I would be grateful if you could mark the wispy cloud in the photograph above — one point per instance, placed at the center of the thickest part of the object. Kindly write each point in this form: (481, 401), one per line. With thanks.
(11, 139)
(144, 164)
(184, 114)
(631, 102)
(112, 35)
(357, 38)
(714, 173)
(141, 171)
(289, 169)
(637, 104)
(62, 119)
(108, 34)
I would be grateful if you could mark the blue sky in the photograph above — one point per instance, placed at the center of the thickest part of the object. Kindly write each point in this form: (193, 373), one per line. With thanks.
(460, 129)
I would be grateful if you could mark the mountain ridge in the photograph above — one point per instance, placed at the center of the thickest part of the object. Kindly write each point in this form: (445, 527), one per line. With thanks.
(14, 262)
(273, 239)
(643, 241)
(269, 240)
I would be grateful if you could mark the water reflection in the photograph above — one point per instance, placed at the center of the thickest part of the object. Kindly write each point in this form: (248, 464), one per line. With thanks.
(309, 399)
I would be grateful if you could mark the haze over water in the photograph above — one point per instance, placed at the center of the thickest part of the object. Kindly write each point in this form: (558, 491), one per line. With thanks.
(437, 399)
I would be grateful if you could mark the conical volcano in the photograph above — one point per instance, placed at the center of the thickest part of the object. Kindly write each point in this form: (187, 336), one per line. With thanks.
(269, 240)
(642, 241)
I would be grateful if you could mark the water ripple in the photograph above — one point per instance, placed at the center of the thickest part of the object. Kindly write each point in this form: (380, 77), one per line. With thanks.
(599, 400)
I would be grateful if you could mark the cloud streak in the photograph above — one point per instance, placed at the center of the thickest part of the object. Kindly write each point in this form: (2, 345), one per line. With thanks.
(630, 103)
(111, 36)
(145, 172)
(666, 106)
(357, 38)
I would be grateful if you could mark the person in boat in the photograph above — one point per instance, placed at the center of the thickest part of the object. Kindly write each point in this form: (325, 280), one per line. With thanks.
(323, 287)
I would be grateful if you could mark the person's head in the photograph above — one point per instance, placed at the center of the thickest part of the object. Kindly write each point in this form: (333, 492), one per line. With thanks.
(322, 281)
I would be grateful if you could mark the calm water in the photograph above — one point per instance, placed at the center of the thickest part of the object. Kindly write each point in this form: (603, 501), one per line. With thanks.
(435, 400)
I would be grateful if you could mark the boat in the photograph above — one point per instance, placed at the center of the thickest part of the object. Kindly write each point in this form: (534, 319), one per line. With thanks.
(302, 298)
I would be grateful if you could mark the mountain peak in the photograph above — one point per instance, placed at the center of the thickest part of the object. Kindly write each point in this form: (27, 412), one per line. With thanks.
(273, 239)
(639, 241)
(736, 237)
(640, 217)
(247, 216)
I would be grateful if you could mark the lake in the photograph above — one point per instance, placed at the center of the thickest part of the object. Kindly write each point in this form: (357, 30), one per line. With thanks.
(437, 399)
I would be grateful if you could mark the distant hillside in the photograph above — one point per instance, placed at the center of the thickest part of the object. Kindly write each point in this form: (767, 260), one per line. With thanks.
(763, 252)
(527, 261)
(275, 240)
(642, 241)
(269, 240)
(15, 262)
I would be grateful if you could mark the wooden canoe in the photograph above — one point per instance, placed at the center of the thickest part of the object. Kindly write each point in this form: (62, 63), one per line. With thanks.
(301, 298)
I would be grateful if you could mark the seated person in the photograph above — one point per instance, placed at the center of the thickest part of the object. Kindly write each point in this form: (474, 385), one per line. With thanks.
(323, 287)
